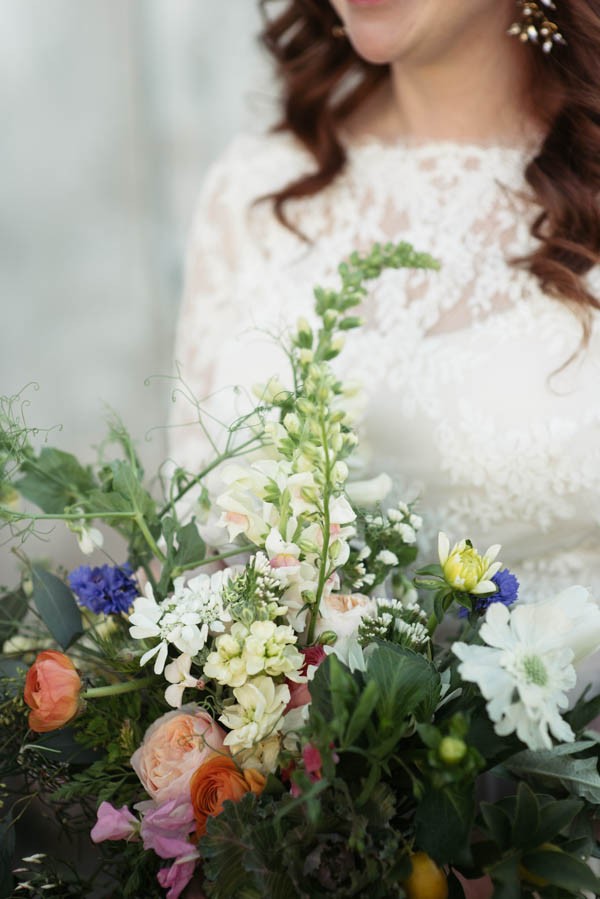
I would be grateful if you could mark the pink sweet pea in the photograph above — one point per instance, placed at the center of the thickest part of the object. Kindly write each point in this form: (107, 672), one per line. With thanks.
(113, 824)
(165, 829)
(177, 877)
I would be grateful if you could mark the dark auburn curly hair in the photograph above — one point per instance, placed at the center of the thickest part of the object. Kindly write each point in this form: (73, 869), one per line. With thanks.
(324, 80)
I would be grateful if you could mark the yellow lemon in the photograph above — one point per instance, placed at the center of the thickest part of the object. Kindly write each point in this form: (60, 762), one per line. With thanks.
(426, 880)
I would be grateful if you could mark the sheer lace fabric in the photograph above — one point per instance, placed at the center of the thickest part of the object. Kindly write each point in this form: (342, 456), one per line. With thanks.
(464, 405)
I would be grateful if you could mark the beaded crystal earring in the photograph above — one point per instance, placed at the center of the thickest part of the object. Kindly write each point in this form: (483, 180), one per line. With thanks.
(535, 26)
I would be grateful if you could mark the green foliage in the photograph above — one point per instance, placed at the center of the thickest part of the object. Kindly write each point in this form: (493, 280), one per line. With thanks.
(57, 607)
(13, 607)
(562, 769)
(54, 480)
(529, 845)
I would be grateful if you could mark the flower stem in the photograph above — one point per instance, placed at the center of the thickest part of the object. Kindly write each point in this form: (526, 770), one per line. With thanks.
(117, 689)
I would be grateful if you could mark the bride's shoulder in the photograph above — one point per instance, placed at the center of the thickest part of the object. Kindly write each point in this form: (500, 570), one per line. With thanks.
(253, 164)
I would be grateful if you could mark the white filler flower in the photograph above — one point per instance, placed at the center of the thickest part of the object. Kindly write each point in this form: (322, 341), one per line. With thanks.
(184, 619)
(526, 668)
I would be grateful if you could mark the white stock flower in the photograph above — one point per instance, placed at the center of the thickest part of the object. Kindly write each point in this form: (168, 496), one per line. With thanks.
(269, 648)
(178, 675)
(525, 670)
(263, 756)
(263, 648)
(226, 664)
(465, 569)
(257, 714)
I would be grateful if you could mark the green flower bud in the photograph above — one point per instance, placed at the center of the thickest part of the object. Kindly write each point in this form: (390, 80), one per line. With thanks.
(452, 750)
(328, 638)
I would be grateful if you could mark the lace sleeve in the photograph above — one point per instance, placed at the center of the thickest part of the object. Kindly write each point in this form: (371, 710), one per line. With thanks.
(209, 285)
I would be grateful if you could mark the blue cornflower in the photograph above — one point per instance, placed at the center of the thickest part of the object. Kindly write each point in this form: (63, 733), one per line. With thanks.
(507, 593)
(105, 590)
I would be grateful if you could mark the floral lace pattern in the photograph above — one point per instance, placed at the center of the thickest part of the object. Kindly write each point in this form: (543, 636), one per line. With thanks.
(465, 400)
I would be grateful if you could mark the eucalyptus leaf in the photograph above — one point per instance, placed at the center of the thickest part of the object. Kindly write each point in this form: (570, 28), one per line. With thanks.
(57, 607)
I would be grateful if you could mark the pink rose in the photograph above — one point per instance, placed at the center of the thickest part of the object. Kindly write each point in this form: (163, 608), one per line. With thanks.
(300, 693)
(113, 823)
(176, 878)
(174, 747)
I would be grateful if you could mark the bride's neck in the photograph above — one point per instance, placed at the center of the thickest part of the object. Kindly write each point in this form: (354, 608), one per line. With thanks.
(480, 93)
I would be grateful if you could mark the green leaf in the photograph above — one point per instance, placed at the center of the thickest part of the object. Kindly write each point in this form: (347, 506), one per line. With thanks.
(527, 817)
(584, 712)
(497, 822)
(362, 713)
(561, 870)
(443, 822)
(54, 480)
(126, 481)
(190, 545)
(555, 817)
(12, 611)
(408, 685)
(57, 607)
(559, 768)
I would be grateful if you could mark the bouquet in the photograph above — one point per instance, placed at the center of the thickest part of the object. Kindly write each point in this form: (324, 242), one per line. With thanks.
(257, 701)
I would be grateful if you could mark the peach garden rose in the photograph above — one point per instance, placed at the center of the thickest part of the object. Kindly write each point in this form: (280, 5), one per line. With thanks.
(173, 748)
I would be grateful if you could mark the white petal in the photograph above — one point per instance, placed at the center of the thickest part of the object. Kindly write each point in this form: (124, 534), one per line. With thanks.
(443, 548)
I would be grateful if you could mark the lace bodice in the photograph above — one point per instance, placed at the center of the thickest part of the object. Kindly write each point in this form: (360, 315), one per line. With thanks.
(465, 405)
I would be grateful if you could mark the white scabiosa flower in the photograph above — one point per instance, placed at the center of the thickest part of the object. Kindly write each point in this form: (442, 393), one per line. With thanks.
(258, 712)
(465, 569)
(526, 669)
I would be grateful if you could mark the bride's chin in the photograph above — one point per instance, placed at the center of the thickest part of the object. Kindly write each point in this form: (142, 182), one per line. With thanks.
(376, 45)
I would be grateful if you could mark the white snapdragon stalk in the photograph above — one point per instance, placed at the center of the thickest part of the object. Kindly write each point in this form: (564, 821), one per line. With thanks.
(257, 714)
(526, 669)
(465, 569)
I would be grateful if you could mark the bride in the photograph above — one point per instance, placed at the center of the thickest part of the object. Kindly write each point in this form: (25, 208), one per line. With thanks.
(428, 121)
(470, 128)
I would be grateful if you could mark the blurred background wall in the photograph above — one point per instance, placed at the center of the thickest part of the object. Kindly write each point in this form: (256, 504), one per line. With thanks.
(111, 111)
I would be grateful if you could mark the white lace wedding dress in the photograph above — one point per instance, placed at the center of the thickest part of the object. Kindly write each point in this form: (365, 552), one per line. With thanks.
(465, 406)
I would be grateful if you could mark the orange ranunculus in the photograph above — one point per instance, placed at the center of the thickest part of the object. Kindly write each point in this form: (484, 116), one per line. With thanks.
(52, 691)
(217, 780)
